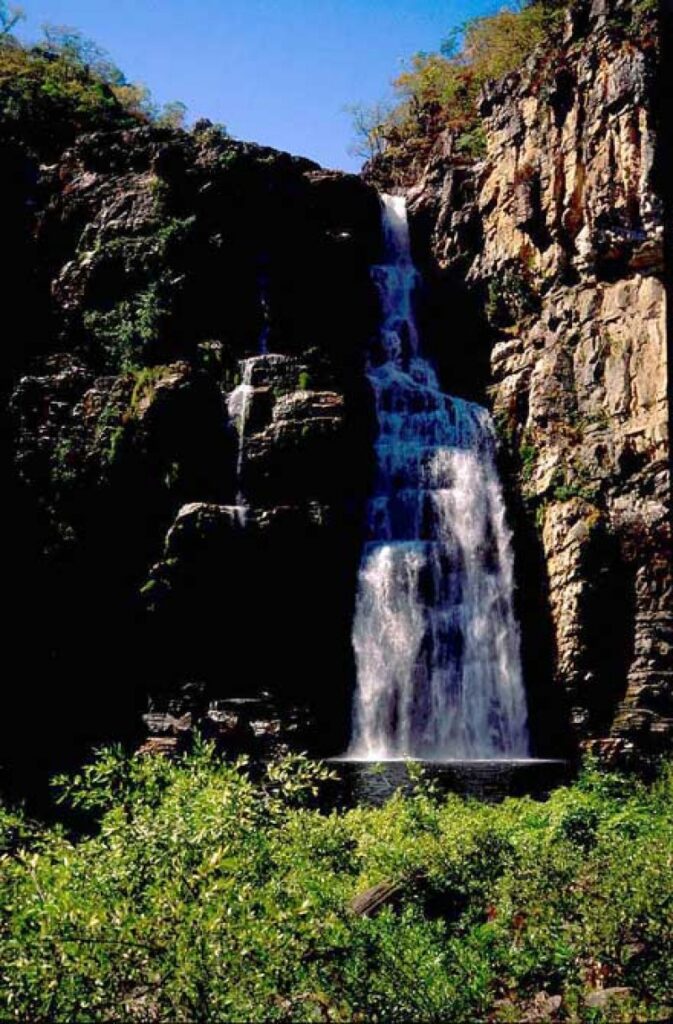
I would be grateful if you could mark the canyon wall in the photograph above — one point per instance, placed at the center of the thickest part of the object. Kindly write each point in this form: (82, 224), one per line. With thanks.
(558, 232)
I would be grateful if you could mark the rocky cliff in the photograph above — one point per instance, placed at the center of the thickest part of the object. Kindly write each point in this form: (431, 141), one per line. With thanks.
(155, 268)
(190, 430)
(556, 240)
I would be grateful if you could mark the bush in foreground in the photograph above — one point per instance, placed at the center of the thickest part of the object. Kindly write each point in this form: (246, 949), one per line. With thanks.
(206, 895)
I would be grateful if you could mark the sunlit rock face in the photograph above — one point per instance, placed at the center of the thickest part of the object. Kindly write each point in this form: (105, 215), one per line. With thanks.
(555, 239)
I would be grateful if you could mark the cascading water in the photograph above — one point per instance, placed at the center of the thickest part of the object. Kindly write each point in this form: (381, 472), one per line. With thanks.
(238, 407)
(435, 636)
(240, 399)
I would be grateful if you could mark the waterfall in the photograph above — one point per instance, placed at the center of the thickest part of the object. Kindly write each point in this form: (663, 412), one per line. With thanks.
(240, 400)
(435, 635)
(238, 407)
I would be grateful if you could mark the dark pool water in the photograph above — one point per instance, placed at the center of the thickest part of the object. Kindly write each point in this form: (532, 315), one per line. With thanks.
(363, 782)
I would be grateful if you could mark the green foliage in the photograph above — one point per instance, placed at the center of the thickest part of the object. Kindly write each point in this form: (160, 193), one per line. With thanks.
(65, 83)
(65, 461)
(563, 488)
(110, 432)
(129, 334)
(496, 44)
(638, 18)
(566, 484)
(506, 429)
(512, 296)
(172, 115)
(472, 142)
(439, 90)
(49, 98)
(132, 396)
(205, 895)
(126, 331)
(540, 516)
(145, 382)
(645, 8)
(68, 44)
(528, 454)
(216, 135)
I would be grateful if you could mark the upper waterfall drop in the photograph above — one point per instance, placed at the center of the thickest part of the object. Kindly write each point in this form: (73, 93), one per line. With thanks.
(435, 635)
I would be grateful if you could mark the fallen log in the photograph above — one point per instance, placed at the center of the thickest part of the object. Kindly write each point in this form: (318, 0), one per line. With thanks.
(383, 894)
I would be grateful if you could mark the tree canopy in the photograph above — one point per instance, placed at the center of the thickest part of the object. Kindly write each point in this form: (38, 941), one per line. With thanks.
(65, 83)
(440, 89)
(10, 16)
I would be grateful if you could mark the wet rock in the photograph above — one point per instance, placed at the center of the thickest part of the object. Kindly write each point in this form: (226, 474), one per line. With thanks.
(165, 724)
(160, 746)
(259, 726)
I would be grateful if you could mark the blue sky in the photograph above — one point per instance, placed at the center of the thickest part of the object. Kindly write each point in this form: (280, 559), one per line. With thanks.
(279, 72)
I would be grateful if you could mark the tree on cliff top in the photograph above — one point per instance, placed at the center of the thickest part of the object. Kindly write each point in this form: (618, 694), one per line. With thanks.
(65, 84)
(10, 16)
(440, 89)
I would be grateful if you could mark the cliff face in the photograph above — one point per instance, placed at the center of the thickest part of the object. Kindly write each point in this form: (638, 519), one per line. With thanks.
(559, 234)
(190, 431)
(158, 263)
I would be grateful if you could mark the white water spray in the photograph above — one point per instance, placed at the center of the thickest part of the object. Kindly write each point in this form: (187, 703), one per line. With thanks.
(435, 636)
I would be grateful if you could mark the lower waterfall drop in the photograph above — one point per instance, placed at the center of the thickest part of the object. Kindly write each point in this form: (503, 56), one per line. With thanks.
(436, 640)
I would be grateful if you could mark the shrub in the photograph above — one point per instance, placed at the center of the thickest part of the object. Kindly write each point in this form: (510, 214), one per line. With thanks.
(564, 487)
(528, 454)
(124, 333)
(208, 893)
(512, 296)
(473, 142)
(66, 84)
(129, 333)
(441, 89)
